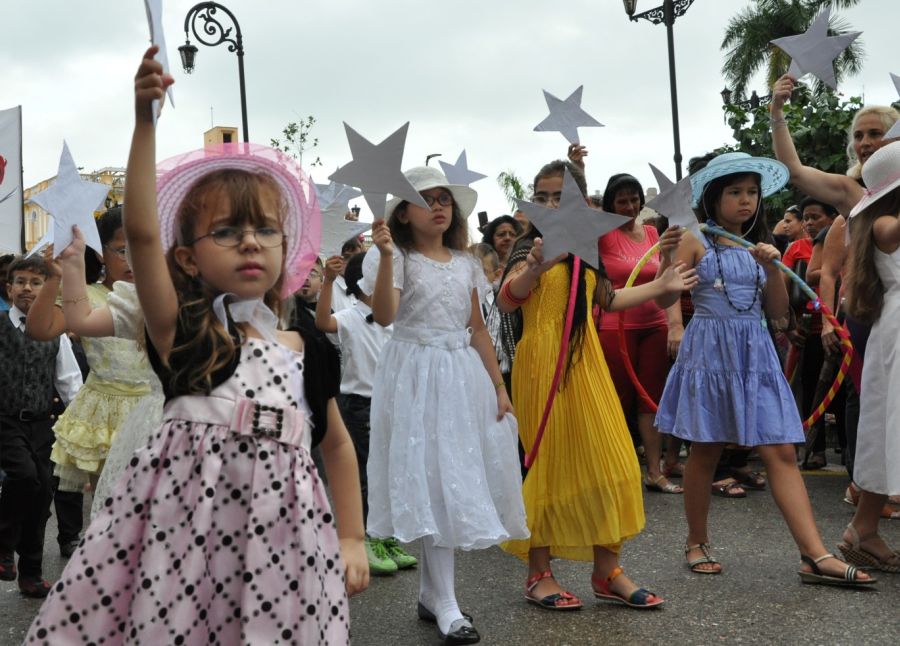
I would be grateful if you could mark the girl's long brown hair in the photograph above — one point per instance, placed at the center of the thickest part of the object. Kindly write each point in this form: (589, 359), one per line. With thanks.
(865, 291)
(455, 237)
(202, 344)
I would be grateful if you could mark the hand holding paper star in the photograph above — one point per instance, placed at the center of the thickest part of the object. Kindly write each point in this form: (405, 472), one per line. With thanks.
(459, 172)
(674, 201)
(158, 37)
(376, 170)
(814, 51)
(573, 227)
(566, 116)
(70, 200)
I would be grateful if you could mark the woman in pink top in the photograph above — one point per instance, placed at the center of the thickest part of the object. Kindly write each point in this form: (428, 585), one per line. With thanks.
(650, 332)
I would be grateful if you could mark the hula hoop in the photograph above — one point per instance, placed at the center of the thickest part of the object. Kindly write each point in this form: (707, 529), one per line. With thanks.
(623, 349)
(819, 306)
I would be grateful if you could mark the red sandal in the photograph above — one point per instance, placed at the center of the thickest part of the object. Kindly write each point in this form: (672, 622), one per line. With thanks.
(556, 601)
(640, 598)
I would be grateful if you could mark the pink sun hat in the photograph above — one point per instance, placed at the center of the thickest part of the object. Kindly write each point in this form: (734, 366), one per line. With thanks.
(302, 222)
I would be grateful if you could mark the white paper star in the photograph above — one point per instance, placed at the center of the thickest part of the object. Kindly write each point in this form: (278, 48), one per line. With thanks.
(566, 116)
(158, 37)
(376, 170)
(894, 132)
(813, 52)
(43, 242)
(70, 200)
(459, 172)
(336, 230)
(674, 201)
(573, 227)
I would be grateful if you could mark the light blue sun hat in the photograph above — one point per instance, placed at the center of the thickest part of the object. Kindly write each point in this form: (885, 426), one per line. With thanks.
(772, 173)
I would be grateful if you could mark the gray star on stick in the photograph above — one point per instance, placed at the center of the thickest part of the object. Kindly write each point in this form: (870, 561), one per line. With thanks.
(459, 172)
(336, 231)
(674, 201)
(375, 170)
(70, 200)
(573, 227)
(894, 132)
(813, 52)
(566, 116)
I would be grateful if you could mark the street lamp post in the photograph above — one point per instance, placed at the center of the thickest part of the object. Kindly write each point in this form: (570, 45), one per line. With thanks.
(212, 33)
(666, 14)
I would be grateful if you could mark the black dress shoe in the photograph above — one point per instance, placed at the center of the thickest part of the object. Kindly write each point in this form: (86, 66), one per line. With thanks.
(426, 615)
(35, 587)
(68, 549)
(8, 567)
(461, 632)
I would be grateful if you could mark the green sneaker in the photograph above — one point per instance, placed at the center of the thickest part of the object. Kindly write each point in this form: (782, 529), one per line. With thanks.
(398, 555)
(380, 561)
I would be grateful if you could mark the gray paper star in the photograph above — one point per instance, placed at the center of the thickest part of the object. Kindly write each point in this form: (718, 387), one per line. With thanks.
(70, 200)
(375, 170)
(573, 227)
(336, 230)
(814, 51)
(459, 172)
(335, 194)
(894, 132)
(566, 116)
(674, 201)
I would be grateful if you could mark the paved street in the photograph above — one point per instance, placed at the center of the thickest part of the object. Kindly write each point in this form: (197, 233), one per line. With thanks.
(759, 599)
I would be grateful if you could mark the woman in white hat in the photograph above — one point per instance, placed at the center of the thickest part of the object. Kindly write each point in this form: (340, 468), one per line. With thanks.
(443, 456)
(727, 385)
(873, 297)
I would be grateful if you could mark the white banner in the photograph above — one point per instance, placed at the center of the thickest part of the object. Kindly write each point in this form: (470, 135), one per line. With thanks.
(11, 180)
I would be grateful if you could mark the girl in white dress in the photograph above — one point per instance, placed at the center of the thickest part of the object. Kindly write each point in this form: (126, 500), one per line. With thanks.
(443, 457)
(873, 296)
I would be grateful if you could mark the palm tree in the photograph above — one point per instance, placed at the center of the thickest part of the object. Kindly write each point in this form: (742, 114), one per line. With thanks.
(747, 40)
(512, 187)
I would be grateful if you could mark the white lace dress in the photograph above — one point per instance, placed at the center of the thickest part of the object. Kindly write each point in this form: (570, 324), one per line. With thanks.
(146, 416)
(440, 464)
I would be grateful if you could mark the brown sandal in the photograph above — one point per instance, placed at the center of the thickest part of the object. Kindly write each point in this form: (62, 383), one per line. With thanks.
(855, 554)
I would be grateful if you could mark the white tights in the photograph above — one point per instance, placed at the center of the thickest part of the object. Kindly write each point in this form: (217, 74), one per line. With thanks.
(436, 589)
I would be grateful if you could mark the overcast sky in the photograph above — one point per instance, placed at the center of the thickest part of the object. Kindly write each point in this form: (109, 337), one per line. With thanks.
(466, 74)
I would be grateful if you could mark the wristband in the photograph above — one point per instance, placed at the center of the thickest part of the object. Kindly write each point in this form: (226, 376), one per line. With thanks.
(506, 292)
(500, 384)
(75, 300)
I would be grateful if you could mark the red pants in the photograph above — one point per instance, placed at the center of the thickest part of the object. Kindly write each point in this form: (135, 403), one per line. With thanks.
(647, 349)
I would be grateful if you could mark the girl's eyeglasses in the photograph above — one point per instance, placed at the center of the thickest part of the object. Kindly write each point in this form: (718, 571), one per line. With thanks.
(121, 253)
(232, 236)
(444, 199)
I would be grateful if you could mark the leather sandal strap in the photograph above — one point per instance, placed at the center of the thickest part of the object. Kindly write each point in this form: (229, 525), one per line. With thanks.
(616, 571)
(533, 580)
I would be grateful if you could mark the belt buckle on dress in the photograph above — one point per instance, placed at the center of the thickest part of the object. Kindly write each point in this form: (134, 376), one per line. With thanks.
(263, 414)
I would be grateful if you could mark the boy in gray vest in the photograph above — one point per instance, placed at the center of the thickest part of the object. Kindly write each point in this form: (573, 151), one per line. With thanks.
(33, 371)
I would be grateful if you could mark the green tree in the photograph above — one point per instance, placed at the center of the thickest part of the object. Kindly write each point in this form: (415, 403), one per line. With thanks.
(297, 140)
(819, 127)
(749, 32)
(512, 187)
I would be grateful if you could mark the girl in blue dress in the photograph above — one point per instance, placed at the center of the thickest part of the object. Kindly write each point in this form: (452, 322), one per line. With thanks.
(727, 385)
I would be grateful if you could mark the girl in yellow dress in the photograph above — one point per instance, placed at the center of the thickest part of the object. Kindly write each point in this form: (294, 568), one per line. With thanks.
(583, 492)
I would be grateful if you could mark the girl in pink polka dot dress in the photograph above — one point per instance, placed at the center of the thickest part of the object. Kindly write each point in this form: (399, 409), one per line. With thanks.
(219, 530)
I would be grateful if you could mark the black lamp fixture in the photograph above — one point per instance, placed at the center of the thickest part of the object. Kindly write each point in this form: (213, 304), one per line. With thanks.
(212, 32)
(188, 52)
(666, 14)
(726, 95)
(752, 103)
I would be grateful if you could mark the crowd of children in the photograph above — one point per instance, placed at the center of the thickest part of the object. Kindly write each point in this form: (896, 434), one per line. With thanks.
(414, 376)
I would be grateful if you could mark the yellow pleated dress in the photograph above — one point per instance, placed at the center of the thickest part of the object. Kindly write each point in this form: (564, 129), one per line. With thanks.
(584, 488)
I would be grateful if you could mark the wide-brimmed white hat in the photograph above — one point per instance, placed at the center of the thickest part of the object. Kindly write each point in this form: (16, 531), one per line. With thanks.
(425, 177)
(881, 174)
(773, 175)
(177, 175)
